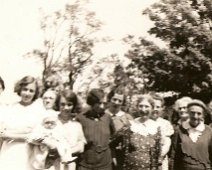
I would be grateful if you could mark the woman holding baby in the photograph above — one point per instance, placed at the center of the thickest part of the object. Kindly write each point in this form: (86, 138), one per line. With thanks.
(22, 117)
(72, 130)
(18, 123)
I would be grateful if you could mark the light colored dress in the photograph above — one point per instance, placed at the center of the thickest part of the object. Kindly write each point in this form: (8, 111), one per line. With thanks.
(15, 154)
(167, 131)
(74, 134)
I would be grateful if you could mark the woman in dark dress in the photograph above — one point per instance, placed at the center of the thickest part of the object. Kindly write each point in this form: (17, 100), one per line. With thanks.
(192, 142)
(116, 100)
(97, 127)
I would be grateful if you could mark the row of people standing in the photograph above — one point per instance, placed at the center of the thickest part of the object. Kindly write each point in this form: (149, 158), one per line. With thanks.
(100, 139)
(188, 141)
(90, 134)
(18, 122)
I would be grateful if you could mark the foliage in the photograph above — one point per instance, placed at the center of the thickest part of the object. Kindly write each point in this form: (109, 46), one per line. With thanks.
(68, 40)
(185, 65)
(100, 74)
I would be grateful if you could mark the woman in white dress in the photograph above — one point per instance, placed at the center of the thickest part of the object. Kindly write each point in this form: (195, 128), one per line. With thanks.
(72, 130)
(17, 124)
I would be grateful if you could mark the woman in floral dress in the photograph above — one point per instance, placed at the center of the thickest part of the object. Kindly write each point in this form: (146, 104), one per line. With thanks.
(142, 139)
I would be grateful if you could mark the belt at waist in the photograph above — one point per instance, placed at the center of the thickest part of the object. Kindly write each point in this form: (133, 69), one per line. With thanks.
(97, 148)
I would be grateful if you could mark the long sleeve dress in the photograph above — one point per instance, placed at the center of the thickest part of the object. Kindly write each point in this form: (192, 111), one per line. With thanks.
(19, 120)
(73, 132)
(97, 154)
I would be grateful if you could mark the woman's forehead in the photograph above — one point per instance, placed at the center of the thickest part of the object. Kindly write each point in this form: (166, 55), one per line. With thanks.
(196, 108)
(144, 102)
(49, 93)
(118, 96)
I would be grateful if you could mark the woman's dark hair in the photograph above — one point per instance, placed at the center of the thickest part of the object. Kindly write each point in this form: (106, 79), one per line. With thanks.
(51, 82)
(114, 91)
(70, 96)
(24, 82)
(2, 83)
(95, 96)
(158, 97)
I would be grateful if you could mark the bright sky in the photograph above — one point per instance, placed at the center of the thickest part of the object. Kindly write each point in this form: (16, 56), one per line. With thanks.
(20, 33)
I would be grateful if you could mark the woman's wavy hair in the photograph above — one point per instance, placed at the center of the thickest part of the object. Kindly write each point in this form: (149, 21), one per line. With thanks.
(70, 96)
(94, 96)
(118, 90)
(180, 100)
(147, 97)
(2, 83)
(24, 82)
(175, 116)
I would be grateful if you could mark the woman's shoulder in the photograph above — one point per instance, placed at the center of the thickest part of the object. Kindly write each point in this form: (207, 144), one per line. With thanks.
(126, 115)
(81, 116)
(74, 124)
(208, 129)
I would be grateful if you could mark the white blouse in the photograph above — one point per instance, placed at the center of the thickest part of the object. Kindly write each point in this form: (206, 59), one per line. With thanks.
(194, 133)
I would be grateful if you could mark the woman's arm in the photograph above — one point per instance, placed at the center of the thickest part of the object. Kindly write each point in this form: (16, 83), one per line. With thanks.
(175, 150)
(79, 147)
(166, 143)
(16, 134)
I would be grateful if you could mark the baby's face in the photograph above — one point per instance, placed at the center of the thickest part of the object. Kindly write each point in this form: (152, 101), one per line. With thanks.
(50, 124)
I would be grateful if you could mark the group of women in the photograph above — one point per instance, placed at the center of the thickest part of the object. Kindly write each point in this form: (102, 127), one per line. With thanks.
(102, 136)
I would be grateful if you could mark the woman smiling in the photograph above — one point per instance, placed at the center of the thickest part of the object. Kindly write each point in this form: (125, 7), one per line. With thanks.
(192, 143)
(18, 123)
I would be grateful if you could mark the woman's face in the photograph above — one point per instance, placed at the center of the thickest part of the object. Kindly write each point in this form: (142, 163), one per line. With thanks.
(182, 110)
(66, 108)
(27, 93)
(157, 109)
(49, 99)
(98, 108)
(117, 101)
(196, 114)
(145, 109)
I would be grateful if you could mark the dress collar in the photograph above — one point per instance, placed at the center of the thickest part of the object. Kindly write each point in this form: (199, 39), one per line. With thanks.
(200, 127)
(89, 114)
(119, 114)
(149, 127)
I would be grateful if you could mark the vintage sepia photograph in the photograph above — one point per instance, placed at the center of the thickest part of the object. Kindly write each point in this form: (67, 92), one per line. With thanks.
(106, 85)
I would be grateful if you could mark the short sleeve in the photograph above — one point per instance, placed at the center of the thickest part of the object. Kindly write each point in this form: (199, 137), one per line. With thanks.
(167, 129)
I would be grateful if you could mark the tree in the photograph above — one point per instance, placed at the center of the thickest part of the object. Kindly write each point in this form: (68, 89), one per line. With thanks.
(68, 40)
(185, 64)
(97, 75)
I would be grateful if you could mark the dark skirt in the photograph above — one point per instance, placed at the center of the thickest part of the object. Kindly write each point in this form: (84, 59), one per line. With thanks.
(193, 167)
(79, 167)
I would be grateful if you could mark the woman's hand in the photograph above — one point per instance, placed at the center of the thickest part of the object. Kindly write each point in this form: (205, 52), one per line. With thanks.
(50, 143)
(114, 161)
